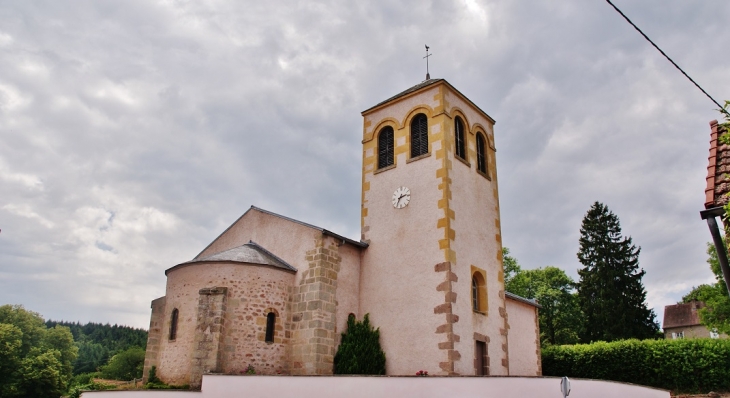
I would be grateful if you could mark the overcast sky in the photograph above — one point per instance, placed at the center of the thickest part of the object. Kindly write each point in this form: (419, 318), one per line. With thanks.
(133, 133)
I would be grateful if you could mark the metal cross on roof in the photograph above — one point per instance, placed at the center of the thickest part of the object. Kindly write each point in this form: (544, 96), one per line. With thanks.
(428, 76)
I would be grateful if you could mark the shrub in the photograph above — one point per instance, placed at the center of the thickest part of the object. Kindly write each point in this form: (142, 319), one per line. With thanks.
(685, 365)
(126, 365)
(75, 392)
(359, 351)
(154, 383)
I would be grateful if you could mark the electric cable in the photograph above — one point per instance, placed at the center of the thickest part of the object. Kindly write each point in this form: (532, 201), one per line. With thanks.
(722, 109)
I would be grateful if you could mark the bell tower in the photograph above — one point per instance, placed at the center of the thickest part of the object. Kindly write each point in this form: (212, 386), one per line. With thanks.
(432, 277)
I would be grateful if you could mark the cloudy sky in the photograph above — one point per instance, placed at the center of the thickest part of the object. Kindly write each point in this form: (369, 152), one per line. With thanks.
(132, 133)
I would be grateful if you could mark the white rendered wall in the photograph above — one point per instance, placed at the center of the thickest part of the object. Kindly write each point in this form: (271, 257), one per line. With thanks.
(368, 387)
(523, 339)
(398, 282)
(475, 205)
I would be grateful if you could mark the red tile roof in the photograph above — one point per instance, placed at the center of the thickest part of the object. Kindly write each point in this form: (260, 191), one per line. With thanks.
(718, 167)
(679, 315)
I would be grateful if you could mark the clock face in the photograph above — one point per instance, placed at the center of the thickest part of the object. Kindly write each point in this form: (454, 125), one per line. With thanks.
(401, 197)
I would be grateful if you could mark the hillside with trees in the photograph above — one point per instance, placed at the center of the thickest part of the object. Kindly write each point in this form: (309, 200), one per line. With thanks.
(97, 342)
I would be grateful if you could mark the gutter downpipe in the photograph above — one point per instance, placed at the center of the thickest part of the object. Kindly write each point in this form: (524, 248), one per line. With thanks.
(710, 215)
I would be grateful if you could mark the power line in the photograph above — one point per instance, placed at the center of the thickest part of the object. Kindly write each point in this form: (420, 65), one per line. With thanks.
(722, 109)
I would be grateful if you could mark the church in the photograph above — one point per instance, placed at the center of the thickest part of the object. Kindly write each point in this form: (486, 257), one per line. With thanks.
(275, 293)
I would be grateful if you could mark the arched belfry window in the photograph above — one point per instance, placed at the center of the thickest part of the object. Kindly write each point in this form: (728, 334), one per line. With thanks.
(481, 154)
(419, 135)
(173, 324)
(385, 147)
(270, 325)
(459, 138)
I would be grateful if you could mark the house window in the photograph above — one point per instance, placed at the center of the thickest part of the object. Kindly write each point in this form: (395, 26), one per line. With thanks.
(173, 324)
(459, 138)
(419, 135)
(677, 335)
(270, 324)
(385, 147)
(481, 154)
(481, 359)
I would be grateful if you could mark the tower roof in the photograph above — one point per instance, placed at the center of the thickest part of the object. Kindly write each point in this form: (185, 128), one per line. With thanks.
(423, 85)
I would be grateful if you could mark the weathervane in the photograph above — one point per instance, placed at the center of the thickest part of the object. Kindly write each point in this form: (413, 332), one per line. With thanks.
(428, 76)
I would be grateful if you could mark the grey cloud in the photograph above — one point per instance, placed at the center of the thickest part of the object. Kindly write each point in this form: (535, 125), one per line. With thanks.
(177, 116)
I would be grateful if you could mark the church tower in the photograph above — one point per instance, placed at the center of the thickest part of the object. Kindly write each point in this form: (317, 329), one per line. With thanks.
(431, 278)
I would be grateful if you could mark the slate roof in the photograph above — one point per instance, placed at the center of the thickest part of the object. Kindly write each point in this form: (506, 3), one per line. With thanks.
(249, 253)
(522, 299)
(417, 87)
(682, 315)
(421, 85)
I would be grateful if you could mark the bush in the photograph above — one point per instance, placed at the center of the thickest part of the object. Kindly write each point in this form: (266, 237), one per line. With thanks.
(154, 383)
(359, 351)
(686, 365)
(75, 392)
(126, 365)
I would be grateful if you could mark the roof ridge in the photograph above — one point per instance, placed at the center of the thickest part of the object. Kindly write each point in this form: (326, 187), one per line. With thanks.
(270, 254)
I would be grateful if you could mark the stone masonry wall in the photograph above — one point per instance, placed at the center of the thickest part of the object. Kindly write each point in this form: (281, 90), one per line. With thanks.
(250, 300)
(154, 336)
(210, 327)
(313, 305)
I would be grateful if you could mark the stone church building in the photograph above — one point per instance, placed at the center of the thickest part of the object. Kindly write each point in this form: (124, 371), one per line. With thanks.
(275, 293)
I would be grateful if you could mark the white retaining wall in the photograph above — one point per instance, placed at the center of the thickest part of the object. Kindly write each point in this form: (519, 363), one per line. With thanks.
(221, 386)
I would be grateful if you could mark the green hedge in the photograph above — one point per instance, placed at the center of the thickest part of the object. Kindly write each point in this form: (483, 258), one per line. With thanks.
(684, 365)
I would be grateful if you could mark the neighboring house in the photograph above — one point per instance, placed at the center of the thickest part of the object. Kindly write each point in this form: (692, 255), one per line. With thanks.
(275, 293)
(682, 321)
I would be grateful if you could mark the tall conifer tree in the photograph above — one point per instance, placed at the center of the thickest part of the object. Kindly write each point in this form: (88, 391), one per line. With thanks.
(610, 291)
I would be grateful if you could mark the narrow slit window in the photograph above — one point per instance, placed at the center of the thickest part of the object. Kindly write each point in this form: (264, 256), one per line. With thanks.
(474, 293)
(419, 135)
(385, 147)
(459, 138)
(481, 154)
(173, 324)
(270, 325)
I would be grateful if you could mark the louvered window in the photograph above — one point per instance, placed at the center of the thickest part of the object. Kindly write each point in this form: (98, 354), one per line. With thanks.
(419, 135)
(385, 147)
(459, 138)
(481, 154)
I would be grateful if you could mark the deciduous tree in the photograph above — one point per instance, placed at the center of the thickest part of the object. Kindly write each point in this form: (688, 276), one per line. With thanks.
(34, 361)
(126, 365)
(716, 313)
(561, 321)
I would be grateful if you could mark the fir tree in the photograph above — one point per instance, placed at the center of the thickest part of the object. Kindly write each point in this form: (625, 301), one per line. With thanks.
(610, 291)
(359, 352)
